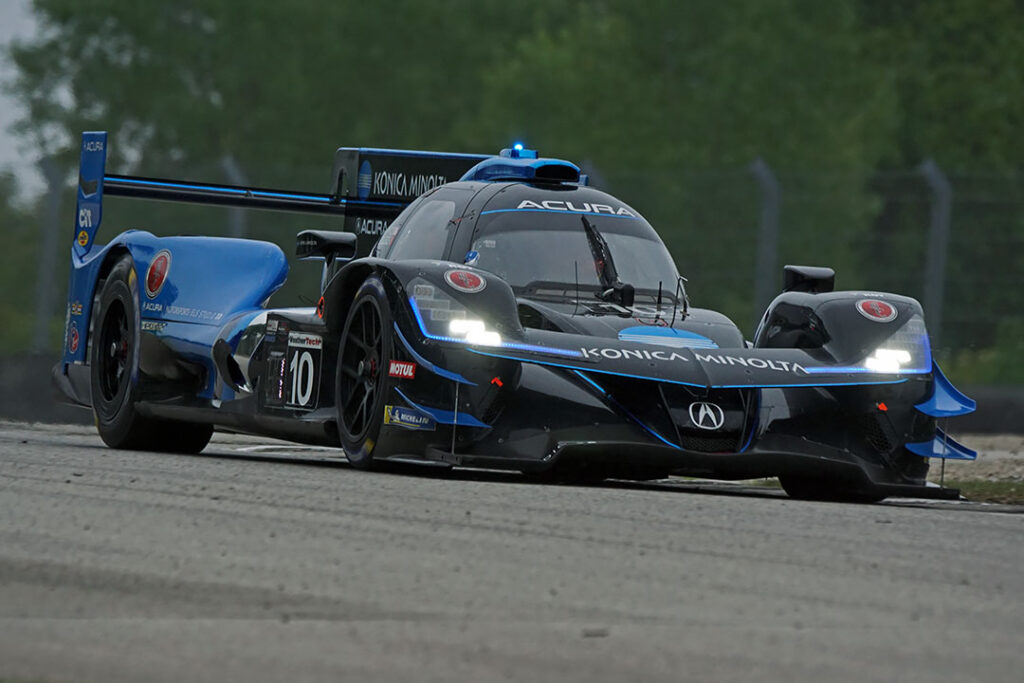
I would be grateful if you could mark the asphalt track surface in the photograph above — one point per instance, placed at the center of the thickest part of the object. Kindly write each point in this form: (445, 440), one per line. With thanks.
(256, 561)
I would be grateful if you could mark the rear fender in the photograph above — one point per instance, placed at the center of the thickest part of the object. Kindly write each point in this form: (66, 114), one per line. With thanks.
(204, 281)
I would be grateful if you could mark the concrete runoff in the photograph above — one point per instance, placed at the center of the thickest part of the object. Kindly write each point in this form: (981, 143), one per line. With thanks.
(261, 561)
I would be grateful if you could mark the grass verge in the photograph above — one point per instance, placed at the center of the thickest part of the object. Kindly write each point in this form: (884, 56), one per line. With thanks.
(1011, 492)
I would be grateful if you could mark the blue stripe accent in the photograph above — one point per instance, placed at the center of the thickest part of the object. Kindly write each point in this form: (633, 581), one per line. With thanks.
(861, 370)
(621, 407)
(447, 374)
(506, 345)
(689, 384)
(444, 416)
(578, 213)
(252, 193)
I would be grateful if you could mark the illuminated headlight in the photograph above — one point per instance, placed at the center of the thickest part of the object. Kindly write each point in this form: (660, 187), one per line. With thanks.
(474, 332)
(442, 317)
(906, 351)
(888, 360)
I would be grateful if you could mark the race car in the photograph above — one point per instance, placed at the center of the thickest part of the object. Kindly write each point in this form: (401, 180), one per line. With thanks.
(491, 311)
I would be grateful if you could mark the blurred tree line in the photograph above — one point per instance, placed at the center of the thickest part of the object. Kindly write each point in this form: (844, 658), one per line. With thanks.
(669, 102)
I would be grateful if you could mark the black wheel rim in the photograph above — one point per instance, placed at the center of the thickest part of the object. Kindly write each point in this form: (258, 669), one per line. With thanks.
(114, 347)
(362, 377)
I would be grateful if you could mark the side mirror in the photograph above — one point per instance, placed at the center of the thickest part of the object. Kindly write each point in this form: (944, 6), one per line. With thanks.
(326, 244)
(810, 279)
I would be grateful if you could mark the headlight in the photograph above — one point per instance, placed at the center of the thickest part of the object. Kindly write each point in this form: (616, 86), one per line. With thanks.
(442, 317)
(906, 351)
(474, 332)
(887, 360)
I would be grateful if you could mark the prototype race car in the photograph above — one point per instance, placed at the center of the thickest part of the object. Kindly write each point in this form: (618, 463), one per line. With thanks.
(515, 318)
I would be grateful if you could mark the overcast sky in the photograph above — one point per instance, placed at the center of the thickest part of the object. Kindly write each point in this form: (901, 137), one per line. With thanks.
(15, 22)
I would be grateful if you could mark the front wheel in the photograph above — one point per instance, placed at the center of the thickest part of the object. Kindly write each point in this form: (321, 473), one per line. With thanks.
(361, 381)
(114, 373)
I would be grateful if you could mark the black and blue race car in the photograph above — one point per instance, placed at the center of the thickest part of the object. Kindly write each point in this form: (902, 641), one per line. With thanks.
(491, 311)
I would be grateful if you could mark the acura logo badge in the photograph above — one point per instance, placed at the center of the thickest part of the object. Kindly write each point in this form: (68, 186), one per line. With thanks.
(706, 415)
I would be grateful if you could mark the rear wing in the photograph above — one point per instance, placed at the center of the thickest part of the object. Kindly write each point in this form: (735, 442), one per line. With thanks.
(368, 188)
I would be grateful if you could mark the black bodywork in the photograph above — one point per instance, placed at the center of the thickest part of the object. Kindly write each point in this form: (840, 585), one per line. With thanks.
(458, 332)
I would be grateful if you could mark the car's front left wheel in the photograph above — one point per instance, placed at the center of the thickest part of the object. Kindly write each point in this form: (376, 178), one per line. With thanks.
(361, 381)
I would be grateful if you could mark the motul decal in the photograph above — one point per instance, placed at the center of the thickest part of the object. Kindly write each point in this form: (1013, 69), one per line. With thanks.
(401, 369)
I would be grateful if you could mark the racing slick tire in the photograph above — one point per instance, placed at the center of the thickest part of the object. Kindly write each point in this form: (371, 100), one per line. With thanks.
(805, 488)
(114, 368)
(361, 379)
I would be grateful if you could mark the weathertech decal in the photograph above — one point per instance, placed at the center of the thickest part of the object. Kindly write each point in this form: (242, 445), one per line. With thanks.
(401, 369)
(876, 310)
(465, 281)
(156, 274)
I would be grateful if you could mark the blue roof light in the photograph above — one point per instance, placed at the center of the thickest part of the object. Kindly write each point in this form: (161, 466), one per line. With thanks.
(518, 151)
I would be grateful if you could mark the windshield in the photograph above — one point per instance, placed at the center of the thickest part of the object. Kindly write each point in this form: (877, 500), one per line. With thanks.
(551, 251)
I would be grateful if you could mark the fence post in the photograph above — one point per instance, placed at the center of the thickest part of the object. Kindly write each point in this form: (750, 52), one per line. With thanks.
(940, 209)
(235, 176)
(45, 264)
(767, 237)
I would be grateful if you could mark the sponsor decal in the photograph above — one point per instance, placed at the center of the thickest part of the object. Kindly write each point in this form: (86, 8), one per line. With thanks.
(365, 180)
(371, 226)
(305, 341)
(409, 419)
(194, 313)
(638, 354)
(156, 274)
(301, 383)
(93, 145)
(306, 244)
(402, 369)
(717, 359)
(83, 238)
(465, 281)
(758, 363)
(582, 207)
(73, 338)
(707, 415)
(153, 325)
(271, 326)
(152, 307)
(401, 185)
(876, 310)
(76, 308)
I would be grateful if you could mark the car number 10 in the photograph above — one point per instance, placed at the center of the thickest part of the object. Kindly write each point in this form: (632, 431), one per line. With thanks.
(303, 365)
(301, 369)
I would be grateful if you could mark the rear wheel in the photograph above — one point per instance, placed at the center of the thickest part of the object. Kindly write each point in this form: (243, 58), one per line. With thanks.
(803, 488)
(361, 381)
(114, 372)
